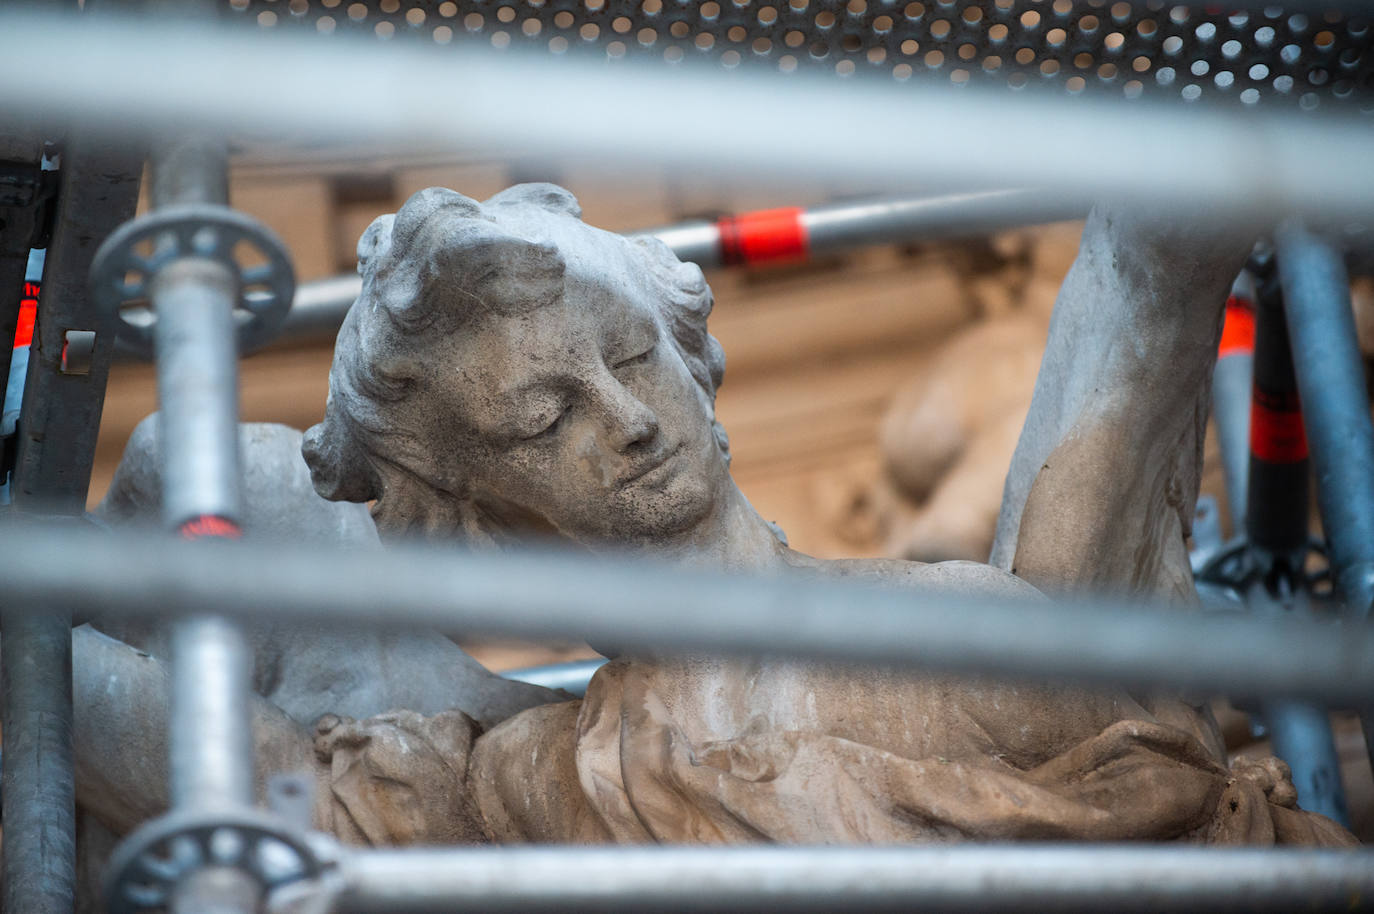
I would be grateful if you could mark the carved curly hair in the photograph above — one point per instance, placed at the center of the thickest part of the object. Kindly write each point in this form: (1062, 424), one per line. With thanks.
(427, 270)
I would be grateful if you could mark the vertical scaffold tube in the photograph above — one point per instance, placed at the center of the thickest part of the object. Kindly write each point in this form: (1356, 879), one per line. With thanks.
(37, 683)
(197, 381)
(54, 448)
(1277, 525)
(197, 388)
(211, 733)
(1231, 383)
(1330, 373)
(1277, 503)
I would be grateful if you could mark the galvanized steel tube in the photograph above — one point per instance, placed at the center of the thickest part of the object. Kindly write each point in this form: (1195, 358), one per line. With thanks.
(1277, 527)
(572, 677)
(840, 226)
(319, 306)
(211, 731)
(646, 604)
(190, 169)
(835, 227)
(694, 241)
(197, 380)
(1231, 383)
(1300, 733)
(1330, 373)
(902, 137)
(1335, 405)
(794, 879)
(39, 844)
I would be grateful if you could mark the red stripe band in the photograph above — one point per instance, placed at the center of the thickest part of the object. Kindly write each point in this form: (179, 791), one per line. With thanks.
(28, 315)
(207, 526)
(1276, 432)
(1238, 331)
(766, 236)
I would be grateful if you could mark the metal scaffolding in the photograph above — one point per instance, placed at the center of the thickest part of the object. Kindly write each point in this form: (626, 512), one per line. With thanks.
(764, 238)
(982, 878)
(562, 595)
(173, 285)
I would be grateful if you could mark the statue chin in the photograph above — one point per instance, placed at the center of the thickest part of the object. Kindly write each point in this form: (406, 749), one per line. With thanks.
(655, 513)
(636, 516)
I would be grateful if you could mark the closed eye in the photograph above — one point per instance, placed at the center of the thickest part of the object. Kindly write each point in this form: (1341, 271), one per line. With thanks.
(549, 429)
(635, 360)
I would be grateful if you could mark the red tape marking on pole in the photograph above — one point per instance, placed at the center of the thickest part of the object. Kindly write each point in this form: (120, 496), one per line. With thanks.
(1238, 330)
(766, 236)
(207, 526)
(28, 315)
(1276, 432)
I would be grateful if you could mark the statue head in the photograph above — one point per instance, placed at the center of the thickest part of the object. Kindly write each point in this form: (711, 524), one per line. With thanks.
(508, 368)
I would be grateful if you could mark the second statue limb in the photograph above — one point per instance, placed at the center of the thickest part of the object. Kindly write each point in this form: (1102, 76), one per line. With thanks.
(1101, 490)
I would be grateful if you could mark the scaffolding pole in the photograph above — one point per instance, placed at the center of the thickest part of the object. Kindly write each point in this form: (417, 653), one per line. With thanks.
(639, 603)
(766, 237)
(193, 298)
(894, 138)
(1335, 404)
(797, 879)
(55, 451)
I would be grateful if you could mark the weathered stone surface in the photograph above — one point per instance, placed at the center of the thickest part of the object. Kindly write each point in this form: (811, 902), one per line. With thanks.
(1101, 490)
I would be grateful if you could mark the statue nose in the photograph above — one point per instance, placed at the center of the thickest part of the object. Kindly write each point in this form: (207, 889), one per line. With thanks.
(630, 423)
(637, 427)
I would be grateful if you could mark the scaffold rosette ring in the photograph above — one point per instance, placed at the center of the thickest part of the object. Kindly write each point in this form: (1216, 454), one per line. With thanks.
(124, 267)
(147, 867)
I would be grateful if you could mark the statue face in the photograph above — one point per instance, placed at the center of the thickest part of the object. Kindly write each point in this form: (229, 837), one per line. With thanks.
(580, 414)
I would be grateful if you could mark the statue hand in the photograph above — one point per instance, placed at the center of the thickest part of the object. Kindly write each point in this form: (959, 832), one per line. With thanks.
(400, 777)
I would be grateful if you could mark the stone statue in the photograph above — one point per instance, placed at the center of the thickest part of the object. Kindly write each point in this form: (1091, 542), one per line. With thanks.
(509, 371)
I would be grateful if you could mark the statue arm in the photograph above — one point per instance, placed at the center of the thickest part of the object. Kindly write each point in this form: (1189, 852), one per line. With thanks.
(395, 778)
(1104, 480)
(121, 699)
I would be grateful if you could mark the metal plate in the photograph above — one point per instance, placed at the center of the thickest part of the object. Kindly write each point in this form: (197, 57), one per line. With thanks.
(1129, 50)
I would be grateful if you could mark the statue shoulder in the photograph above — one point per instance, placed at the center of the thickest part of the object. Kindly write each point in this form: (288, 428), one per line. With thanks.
(957, 577)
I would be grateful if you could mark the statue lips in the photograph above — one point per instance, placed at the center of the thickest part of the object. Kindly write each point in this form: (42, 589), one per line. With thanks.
(646, 469)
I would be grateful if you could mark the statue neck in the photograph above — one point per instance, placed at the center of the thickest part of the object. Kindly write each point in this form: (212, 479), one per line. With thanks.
(732, 537)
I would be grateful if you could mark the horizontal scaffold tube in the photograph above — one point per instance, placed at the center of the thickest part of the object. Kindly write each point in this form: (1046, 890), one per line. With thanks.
(793, 879)
(133, 74)
(643, 604)
(320, 305)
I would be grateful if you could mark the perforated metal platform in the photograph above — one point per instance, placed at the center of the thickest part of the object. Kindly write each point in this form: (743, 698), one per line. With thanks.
(1241, 58)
